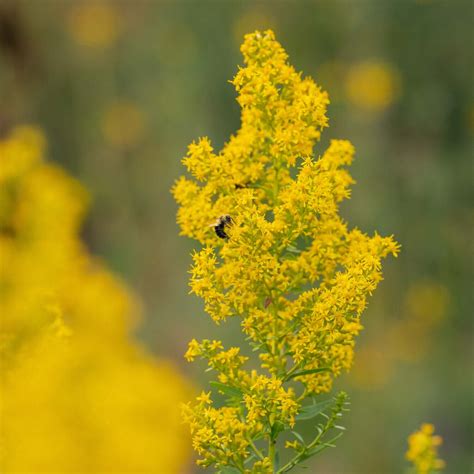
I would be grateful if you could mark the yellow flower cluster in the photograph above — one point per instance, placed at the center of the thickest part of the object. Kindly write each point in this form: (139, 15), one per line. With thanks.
(275, 251)
(264, 399)
(76, 395)
(422, 450)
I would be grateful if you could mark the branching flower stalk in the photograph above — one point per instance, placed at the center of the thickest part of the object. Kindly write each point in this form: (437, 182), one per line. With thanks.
(277, 255)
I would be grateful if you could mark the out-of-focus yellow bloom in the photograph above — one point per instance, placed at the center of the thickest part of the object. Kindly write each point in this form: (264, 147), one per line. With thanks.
(123, 124)
(286, 264)
(423, 450)
(94, 23)
(372, 85)
(76, 394)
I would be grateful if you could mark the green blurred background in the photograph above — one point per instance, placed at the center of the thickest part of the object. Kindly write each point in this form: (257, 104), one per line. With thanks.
(122, 87)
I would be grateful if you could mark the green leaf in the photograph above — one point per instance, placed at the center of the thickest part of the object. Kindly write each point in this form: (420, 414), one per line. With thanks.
(316, 450)
(298, 437)
(250, 459)
(309, 371)
(228, 390)
(277, 428)
(310, 411)
(293, 249)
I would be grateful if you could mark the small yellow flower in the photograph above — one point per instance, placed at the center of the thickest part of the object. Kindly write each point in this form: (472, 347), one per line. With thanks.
(204, 398)
(193, 350)
(292, 445)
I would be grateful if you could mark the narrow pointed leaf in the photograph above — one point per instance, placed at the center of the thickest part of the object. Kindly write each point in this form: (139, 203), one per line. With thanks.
(227, 389)
(310, 411)
(316, 450)
(299, 437)
(309, 371)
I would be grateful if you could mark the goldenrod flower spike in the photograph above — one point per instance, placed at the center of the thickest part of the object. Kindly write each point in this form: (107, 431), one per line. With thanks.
(423, 450)
(282, 261)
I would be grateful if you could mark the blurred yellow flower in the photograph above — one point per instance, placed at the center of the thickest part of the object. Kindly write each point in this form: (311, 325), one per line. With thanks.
(123, 124)
(76, 393)
(423, 452)
(372, 85)
(94, 24)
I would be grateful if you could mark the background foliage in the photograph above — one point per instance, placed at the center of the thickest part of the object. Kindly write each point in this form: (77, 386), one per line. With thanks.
(121, 88)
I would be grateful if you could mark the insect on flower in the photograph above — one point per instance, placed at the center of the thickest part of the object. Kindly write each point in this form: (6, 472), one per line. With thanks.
(220, 225)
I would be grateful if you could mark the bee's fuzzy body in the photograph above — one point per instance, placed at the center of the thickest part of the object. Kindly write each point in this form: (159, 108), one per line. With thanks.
(220, 225)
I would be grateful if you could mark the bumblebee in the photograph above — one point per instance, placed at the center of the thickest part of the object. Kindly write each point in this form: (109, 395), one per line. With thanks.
(221, 224)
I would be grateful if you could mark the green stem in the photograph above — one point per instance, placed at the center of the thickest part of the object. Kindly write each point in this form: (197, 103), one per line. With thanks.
(276, 184)
(291, 372)
(304, 454)
(291, 464)
(255, 449)
(271, 453)
(303, 395)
